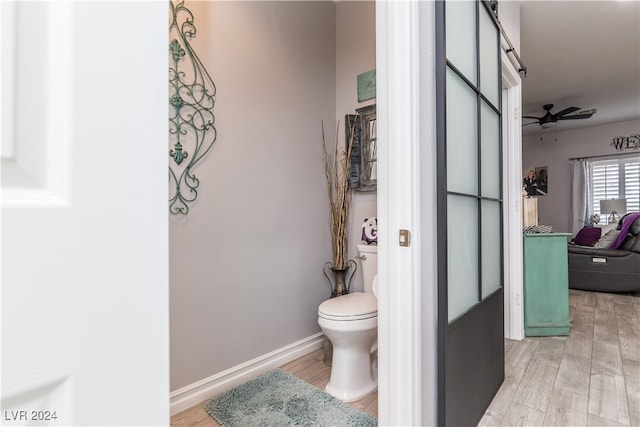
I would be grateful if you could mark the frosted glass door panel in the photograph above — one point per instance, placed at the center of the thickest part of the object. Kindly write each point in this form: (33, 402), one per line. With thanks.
(462, 248)
(489, 75)
(490, 151)
(461, 37)
(491, 244)
(462, 145)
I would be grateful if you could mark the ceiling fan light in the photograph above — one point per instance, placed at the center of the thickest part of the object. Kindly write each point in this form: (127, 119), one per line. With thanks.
(548, 125)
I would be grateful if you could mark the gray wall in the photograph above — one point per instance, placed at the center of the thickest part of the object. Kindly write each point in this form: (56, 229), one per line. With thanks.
(246, 263)
(509, 12)
(555, 150)
(355, 54)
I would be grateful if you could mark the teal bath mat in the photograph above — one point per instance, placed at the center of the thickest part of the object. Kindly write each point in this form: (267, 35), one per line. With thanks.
(278, 398)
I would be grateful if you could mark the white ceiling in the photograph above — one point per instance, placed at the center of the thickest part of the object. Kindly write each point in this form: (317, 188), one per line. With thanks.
(584, 54)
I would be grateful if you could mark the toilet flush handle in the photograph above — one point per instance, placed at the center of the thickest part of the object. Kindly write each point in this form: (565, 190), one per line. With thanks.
(361, 257)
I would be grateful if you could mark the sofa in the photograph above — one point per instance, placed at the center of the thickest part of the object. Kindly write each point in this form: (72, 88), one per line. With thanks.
(607, 269)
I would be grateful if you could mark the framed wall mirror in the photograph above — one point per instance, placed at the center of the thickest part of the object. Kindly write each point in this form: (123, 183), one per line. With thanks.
(363, 169)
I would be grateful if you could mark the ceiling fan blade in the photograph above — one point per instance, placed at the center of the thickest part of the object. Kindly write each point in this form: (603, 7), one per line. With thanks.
(576, 117)
(531, 117)
(566, 111)
(532, 123)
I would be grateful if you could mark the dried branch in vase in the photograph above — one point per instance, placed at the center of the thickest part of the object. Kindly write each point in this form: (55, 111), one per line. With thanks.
(336, 169)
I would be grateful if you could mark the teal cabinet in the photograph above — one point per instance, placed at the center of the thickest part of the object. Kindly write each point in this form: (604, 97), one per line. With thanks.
(546, 284)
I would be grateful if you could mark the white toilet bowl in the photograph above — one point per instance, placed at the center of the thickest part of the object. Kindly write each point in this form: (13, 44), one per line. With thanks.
(351, 324)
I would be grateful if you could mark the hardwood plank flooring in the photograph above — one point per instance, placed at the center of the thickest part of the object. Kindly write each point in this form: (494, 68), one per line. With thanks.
(310, 368)
(590, 378)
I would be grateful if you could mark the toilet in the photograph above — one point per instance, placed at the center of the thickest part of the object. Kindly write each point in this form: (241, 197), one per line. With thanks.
(351, 323)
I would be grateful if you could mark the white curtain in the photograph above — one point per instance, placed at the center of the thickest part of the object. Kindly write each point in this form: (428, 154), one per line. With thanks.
(580, 208)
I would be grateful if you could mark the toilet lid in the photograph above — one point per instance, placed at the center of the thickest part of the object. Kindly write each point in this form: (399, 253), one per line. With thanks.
(355, 306)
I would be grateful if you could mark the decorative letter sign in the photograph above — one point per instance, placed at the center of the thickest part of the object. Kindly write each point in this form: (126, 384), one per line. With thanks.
(631, 142)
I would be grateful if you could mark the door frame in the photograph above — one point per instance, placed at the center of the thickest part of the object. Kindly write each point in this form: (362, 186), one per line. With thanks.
(512, 205)
(407, 295)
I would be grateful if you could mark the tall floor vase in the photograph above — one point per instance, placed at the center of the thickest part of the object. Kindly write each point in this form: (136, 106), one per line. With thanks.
(340, 281)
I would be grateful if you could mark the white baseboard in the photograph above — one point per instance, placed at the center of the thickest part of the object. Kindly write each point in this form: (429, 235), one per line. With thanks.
(191, 395)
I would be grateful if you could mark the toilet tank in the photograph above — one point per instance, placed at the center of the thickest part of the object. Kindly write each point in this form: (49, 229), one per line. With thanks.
(368, 256)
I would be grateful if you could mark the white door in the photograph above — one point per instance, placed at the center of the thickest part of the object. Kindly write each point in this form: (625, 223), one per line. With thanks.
(84, 213)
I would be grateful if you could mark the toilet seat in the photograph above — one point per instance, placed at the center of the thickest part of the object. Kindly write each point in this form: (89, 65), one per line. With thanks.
(349, 307)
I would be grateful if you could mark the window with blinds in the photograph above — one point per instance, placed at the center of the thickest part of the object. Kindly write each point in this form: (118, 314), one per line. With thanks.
(616, 179)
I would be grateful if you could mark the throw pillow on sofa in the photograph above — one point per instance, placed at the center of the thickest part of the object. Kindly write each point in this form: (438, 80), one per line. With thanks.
(587, 236)
(607, 240)
(607, 228)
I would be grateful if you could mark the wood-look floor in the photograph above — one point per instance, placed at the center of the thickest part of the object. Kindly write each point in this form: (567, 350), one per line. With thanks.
(310, 368)
(590, 378)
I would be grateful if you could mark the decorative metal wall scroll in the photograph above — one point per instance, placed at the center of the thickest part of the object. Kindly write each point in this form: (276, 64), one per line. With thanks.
(191, 119)
(631, 142)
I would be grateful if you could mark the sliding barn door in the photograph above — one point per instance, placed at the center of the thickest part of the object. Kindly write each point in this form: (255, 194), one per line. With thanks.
(471, 356)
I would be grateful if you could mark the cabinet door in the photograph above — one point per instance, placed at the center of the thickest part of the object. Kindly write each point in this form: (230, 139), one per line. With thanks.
(546, 290)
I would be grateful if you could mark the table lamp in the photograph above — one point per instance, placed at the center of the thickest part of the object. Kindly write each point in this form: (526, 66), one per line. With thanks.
(614, 208)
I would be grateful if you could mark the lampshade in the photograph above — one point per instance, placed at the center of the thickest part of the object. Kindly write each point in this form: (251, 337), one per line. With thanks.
(618, 206)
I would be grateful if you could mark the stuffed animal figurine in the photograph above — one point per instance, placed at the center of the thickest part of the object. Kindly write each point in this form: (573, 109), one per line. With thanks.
(370, 230)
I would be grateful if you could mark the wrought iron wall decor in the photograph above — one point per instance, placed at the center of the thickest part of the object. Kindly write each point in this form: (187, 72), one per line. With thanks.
(191, 120)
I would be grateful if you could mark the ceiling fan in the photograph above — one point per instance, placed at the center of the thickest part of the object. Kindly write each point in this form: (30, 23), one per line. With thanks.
(550, 119)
